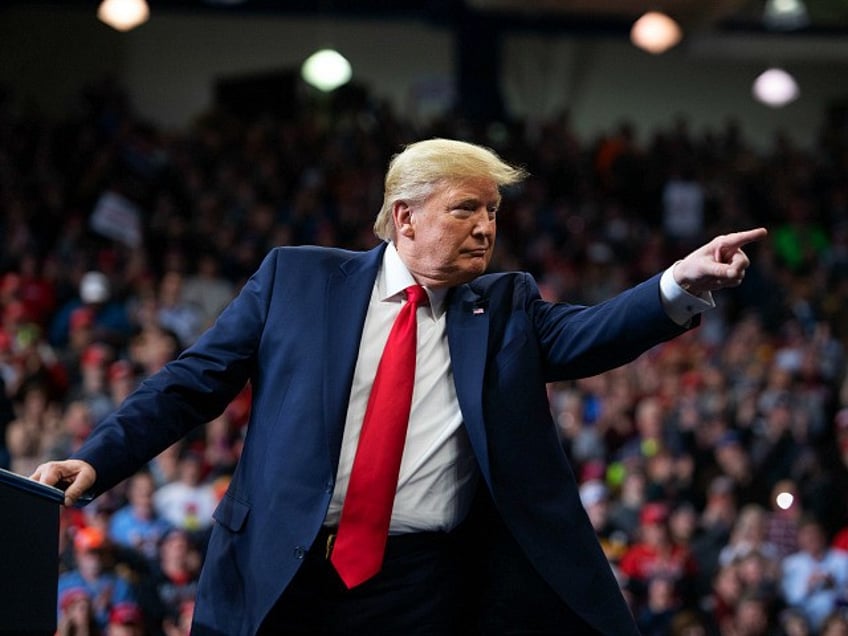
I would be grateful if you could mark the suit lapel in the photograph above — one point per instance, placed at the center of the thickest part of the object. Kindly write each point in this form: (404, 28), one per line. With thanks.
(468, 335)
(348, 292)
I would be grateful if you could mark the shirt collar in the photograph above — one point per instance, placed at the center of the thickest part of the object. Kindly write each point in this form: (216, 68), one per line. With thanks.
(394, 277)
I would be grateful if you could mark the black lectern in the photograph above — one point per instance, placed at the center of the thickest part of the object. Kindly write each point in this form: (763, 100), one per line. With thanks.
(29, 555)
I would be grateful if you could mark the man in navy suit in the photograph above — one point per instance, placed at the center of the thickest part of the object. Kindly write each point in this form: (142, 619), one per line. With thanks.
(487, 534)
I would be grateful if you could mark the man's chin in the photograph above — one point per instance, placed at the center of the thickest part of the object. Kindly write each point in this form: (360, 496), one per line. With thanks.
(470, 273)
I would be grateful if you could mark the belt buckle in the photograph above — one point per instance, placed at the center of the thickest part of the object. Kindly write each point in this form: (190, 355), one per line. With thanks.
(328, 548)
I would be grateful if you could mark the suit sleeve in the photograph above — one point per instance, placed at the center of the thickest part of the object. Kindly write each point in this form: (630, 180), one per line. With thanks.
(580, 341)
(189, 391)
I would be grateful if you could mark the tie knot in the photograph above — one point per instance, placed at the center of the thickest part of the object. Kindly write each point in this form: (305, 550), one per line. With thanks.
(416, 294)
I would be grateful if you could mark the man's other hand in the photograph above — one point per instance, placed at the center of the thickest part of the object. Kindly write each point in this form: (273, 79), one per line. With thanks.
(74, 476)
(718, 264)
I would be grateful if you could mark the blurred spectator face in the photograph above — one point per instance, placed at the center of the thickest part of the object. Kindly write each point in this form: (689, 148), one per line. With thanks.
(89, 544)
(710, 430)
(835, 625)
(633, 489)
(732, 458)
(36, 402)
(77, 420)
(121, 380)
(93, 365)
(168, 462)
(660, 467)
(683, 522)
(153, 348)
(175, 546)
(178, 556)
(780, 377)
(649, 418)
(191, 468)
(778, 421)
(171, 288)
(146, 311)
(811, 538)
(593, 496)
(80, 328)
(652, 524)
(751, 524)
(751, 617)
(569, 417)
(13, 315)
(794, 624)
(726, 585)
(661, 594)
(140, 495)
(687, 623)
(684, 467)
(752, 570)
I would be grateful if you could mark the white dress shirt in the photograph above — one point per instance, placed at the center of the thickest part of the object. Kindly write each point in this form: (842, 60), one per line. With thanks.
(438, 470)
(803, 586)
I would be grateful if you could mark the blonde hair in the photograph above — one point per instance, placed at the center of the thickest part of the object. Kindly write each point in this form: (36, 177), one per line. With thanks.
(416, 172)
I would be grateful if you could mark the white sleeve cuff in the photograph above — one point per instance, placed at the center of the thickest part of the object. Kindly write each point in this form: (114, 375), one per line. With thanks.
(680, 305)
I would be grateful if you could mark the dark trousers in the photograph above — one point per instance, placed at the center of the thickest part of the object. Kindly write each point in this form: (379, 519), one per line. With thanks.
(473, 582)
(415, 594)
(510, 597)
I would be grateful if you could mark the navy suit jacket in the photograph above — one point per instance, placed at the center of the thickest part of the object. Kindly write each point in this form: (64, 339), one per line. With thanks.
(294, 332)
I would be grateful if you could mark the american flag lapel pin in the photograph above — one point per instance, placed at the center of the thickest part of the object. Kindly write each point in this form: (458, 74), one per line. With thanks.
(478, 311)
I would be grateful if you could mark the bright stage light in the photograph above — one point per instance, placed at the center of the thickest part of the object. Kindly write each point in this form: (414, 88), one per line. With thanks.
(785, 15)
(326, 70)
(775, 87)
(123, 15)
(655, 32)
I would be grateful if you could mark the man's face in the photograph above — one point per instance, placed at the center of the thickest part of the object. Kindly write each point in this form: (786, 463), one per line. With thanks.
(448, 239)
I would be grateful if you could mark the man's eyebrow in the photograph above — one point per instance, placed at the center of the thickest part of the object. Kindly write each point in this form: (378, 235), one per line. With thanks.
(473, 201)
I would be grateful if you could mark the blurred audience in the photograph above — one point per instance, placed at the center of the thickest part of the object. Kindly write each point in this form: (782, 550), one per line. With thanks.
(815, 579)
(93, 581)
(699, 463)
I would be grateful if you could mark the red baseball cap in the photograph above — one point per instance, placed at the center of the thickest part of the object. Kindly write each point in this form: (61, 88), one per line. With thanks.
(653, 512)
(125, 614)
(89, 538)
(81, 317)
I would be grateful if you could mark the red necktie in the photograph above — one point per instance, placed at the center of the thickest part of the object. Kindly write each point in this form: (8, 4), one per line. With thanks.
(367, 509)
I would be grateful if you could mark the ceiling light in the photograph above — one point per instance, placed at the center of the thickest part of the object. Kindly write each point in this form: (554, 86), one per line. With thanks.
(326, 70)
(655, 32)
(775, 87)
(123, 15)
(785, 15)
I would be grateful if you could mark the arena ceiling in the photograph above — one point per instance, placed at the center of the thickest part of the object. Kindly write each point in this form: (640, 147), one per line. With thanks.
(587, 16)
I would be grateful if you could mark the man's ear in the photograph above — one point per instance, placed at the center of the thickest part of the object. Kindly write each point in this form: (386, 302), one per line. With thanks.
(402, 216)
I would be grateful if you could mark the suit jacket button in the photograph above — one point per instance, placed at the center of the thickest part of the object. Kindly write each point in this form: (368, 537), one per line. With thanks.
(299, 552)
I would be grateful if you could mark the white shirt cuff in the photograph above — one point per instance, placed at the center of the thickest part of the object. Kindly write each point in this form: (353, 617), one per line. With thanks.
(680, 305)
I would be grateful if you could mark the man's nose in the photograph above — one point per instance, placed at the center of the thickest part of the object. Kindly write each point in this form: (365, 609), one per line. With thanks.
(484, 224)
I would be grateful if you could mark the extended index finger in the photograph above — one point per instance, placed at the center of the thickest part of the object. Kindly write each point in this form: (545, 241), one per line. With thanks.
(726, 246)
(736, 240)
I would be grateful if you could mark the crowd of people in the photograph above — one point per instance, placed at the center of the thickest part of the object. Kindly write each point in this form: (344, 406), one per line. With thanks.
(714, 468)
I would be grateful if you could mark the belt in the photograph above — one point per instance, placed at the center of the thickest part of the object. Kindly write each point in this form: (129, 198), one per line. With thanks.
(324, 542)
